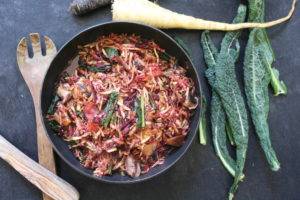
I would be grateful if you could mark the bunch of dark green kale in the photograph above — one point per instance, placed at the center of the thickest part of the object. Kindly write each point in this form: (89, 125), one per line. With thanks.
(228, 111)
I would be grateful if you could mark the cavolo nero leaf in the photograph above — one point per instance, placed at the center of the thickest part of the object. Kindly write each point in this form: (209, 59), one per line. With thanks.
(219, 136)
(164, 56)
(103, 68)
(97, 69)
(110, 108)
(223, 80)
(111, 52)
(52, 106)
(217, 117)
(257, 14)
(140, 111)
(54, 125)
(258, 75)
(257, 79)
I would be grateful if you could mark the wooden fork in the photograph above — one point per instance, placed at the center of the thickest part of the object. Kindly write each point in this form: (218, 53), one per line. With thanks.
(33, 71)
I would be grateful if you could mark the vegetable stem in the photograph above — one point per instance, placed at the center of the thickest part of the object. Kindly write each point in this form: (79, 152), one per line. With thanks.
(278, 86)
(202, 123)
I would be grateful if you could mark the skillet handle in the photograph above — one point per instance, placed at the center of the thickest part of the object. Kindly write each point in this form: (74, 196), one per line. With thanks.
(42, 178)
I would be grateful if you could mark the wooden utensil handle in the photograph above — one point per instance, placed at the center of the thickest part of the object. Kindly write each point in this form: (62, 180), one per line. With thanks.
(45, 150)
(45, 180)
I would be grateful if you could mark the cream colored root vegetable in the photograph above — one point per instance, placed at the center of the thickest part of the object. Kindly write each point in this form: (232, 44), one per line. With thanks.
(152, 14)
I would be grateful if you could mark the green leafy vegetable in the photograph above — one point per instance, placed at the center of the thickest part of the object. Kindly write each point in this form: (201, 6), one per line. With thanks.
(258, 74)
(217, 112)
(202, 123)
(72, 143)
(279, 86)
(114, 118)
(164, 56)
(222, 78)
(79, 113)
(52, 106)
(54, 125)
(140, 111)
(111, 52)
(109, 108)
(219, 135)
(103, 68)
(233, 103)
(257, 14)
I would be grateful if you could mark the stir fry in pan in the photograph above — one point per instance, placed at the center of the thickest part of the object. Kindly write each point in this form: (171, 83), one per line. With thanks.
(126, 105)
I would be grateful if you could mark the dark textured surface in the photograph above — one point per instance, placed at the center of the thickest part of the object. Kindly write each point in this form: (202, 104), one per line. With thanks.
(199, 175)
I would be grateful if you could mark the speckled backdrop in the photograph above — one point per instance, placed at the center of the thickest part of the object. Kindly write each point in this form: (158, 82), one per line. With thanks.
(199, 175)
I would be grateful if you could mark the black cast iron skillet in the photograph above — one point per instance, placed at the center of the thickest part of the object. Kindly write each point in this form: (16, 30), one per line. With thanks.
(69, 51)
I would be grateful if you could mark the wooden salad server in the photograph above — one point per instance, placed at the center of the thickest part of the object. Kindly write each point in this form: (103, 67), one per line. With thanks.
(33, 71)
(49, 183)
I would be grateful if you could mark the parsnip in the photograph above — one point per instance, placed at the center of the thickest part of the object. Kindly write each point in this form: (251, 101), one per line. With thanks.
(152, 14)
